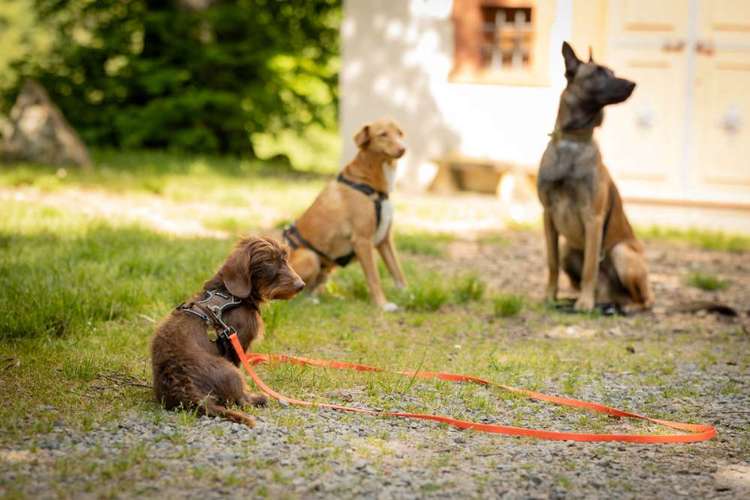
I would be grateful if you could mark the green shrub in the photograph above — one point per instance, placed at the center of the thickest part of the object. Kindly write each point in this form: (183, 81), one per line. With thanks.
(706, 282)
(348, 283)
(507, 305)
(143, 74)
(427, 293)
(468, 288)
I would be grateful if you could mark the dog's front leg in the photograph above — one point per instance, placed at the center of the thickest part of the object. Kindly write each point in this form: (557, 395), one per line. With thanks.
(553, 256)
(364, 250)
(388, 253)
(593, 226)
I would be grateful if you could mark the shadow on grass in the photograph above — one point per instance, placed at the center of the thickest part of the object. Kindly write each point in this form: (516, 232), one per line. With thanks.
(55, 284)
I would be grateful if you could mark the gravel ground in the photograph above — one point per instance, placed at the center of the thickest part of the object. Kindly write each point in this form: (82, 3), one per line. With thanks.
(330, 455)
(297, 452)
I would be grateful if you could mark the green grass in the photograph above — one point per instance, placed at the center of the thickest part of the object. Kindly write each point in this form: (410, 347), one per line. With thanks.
(468, 288)
(429, 293)
(82, 294)
(85, 294)
(421, 243)
(223, 181)
(707, 282)
(705, 239)
(507, 305)
(64, 273)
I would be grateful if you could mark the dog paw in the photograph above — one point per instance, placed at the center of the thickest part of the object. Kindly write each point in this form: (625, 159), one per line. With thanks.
(550, 296)
(257, 399)
(400, 285)
(389, 307)
(584, 304)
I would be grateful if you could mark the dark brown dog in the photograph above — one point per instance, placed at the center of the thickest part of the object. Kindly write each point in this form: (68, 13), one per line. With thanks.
(192, 371)
(602, 256)
(352, 216)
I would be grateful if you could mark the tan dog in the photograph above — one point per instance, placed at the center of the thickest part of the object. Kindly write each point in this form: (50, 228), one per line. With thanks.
(194, 371)
(352, 216)
(602, 255)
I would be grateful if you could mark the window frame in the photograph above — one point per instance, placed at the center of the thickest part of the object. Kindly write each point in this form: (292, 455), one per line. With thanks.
(468, 39)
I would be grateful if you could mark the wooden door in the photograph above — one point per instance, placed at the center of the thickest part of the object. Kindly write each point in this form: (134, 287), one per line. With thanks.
(643, 139)
(721, 167)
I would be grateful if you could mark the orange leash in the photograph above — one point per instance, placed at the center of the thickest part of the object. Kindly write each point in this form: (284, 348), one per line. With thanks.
(694, 432)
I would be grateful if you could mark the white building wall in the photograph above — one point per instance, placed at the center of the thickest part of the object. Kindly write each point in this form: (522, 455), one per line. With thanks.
(397, 55)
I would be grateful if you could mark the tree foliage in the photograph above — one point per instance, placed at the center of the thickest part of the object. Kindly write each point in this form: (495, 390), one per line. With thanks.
(196, 75)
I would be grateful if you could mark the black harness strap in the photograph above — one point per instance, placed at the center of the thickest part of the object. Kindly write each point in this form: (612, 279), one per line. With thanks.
(368, 191)
(292, 230)
(211, 308)
(295, 240)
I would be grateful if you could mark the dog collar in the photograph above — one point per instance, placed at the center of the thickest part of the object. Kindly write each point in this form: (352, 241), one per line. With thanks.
(580, 135)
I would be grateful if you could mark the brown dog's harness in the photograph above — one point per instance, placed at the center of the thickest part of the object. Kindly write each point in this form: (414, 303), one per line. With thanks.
(210, 308)
(296, 240)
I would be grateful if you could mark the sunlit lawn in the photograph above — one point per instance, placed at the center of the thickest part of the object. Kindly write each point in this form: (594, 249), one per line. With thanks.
(81, 293)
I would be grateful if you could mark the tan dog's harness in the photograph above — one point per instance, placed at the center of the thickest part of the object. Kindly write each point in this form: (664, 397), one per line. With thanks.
(211, 308)
(295, 239)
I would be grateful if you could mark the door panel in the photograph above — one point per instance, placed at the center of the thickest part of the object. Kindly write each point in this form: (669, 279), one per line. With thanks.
(722, 126)
(647, 20)
(685, 132)
(724, 20)
(642, 139)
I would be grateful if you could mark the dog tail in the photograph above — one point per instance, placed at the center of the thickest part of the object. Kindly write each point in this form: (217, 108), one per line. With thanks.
(213, 409)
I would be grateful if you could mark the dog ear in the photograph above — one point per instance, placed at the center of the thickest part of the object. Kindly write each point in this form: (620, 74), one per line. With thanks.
(235, 273)
(591, 55)
(571, 61)
(363, 137)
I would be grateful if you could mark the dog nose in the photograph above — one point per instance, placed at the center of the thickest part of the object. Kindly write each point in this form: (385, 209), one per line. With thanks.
(299, 285)
(631, 86)
(400, 152)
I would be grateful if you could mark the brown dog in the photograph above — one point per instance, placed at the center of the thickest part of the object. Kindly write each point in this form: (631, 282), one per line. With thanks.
(193, 371)
(352, 216)
(602, 256)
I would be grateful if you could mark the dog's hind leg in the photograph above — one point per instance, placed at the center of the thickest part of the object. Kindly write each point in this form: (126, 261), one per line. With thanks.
(632, 272)
(608, 289)
(188, 395)
(214, 383)
(213, 409)
(230, 388)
